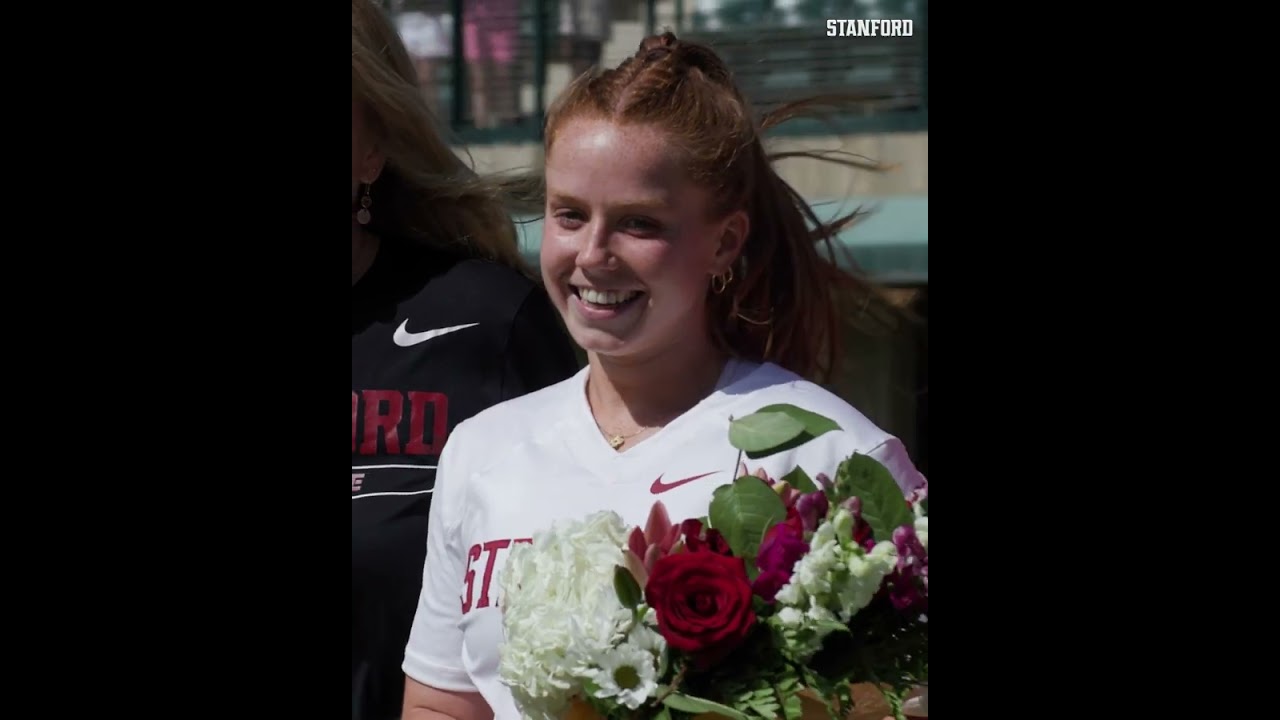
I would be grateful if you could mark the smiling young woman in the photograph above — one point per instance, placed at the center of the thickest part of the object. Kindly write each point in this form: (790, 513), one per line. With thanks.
(688, 271)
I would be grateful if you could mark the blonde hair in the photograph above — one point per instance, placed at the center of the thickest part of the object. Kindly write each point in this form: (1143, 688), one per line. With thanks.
(425, 192)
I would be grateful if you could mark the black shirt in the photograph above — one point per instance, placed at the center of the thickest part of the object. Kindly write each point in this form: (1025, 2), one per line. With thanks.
(435, 339)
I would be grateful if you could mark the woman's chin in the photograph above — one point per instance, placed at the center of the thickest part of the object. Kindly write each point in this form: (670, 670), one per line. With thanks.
(600, 342)
(609, 338)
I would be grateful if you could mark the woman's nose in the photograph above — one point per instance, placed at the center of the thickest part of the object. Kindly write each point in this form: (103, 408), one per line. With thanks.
(594, 251)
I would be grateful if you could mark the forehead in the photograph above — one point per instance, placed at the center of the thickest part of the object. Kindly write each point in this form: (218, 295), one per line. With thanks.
(589, 152)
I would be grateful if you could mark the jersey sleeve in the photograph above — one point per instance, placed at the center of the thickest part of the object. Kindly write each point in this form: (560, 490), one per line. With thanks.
(433, 655)
(857, 434)
(826, 453)
(892, 453)
(539, 352)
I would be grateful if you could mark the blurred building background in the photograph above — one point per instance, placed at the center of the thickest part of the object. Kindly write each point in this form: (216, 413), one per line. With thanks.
(490, 77)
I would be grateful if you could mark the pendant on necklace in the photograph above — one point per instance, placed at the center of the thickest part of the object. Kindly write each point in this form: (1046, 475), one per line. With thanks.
(616, 441)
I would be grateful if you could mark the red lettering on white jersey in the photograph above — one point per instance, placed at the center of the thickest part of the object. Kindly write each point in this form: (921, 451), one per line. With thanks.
(492, 548)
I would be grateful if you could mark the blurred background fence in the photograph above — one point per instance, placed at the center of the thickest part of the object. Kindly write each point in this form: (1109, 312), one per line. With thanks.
(491, 76)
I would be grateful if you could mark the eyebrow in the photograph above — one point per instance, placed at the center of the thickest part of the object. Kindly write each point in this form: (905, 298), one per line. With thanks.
(645, 204)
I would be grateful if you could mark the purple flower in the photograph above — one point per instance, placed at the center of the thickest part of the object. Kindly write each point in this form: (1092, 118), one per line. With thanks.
(783, 546)
(700, 539)
(909, 582)
(862, 534)
(813, 509)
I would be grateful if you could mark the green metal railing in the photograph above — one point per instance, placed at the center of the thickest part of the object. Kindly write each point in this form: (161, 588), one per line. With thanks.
(489, 77)
(779, 51)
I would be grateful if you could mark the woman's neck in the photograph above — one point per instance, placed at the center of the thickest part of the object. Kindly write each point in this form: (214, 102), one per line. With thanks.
(634, 396)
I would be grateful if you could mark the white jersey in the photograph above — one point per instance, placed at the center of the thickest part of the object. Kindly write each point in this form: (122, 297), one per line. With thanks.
(519, 466)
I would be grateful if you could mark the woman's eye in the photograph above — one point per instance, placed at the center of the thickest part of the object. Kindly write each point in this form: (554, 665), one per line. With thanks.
(569, 219)
(640, 226)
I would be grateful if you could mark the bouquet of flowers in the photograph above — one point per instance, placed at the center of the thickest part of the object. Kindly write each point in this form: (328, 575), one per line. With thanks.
(788, 588)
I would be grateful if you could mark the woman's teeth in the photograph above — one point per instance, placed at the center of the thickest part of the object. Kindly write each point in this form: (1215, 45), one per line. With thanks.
(606, 297)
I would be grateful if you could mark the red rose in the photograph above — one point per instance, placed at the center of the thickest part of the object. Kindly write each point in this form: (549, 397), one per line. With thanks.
(700, 539)
(703, 603)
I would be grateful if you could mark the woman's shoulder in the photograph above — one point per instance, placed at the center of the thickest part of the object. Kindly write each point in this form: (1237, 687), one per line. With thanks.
(471, 291)
(416, 271)
(495, 287)
(531, 417)
(770, 384)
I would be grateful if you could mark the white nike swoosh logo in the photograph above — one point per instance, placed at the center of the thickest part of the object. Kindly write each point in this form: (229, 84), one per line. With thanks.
(404, 338)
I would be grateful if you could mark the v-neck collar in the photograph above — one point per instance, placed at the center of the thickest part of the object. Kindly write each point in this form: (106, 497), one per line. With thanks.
(595, 446)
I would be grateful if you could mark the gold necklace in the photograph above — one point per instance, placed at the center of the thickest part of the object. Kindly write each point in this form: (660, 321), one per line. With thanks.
(616, 441)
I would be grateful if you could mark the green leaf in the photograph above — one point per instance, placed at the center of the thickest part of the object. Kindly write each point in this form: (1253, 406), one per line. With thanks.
(883, 505)
(814, 424)
(839, 659)
(664, 663)
(760, 432)
(793, 708)
(696, 706)
(664, 714)
(775, 428)
(799, 480)
(894, 699)
(624, 583)
(742, 511)
(826, 627)
(761, 608)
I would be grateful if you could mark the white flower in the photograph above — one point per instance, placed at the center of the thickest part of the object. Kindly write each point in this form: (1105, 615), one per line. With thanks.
(628, 673)
(561, 613)
(866, 572)
(645, 637)
(922, 531)
(812, 573)
(790, 616)
(830, 584)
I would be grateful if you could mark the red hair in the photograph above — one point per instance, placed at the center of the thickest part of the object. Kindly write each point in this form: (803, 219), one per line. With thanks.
(785, 301)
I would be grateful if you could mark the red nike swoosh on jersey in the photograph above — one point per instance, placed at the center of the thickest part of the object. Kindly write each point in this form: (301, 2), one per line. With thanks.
(661, 487)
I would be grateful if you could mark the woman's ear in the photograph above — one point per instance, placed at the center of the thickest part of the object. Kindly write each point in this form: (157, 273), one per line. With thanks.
(367, 158)
(371, 164)
(733, 236)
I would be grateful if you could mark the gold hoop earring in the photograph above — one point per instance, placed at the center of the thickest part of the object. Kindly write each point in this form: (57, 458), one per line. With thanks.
(363, 216)
(721, 281)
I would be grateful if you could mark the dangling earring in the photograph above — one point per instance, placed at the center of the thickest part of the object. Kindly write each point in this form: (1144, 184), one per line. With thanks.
(362, 216)
(720, 282)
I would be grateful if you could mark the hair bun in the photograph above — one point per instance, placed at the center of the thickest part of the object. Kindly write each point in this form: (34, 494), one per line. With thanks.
(686, 56)
(657, 47)
(704, 59)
